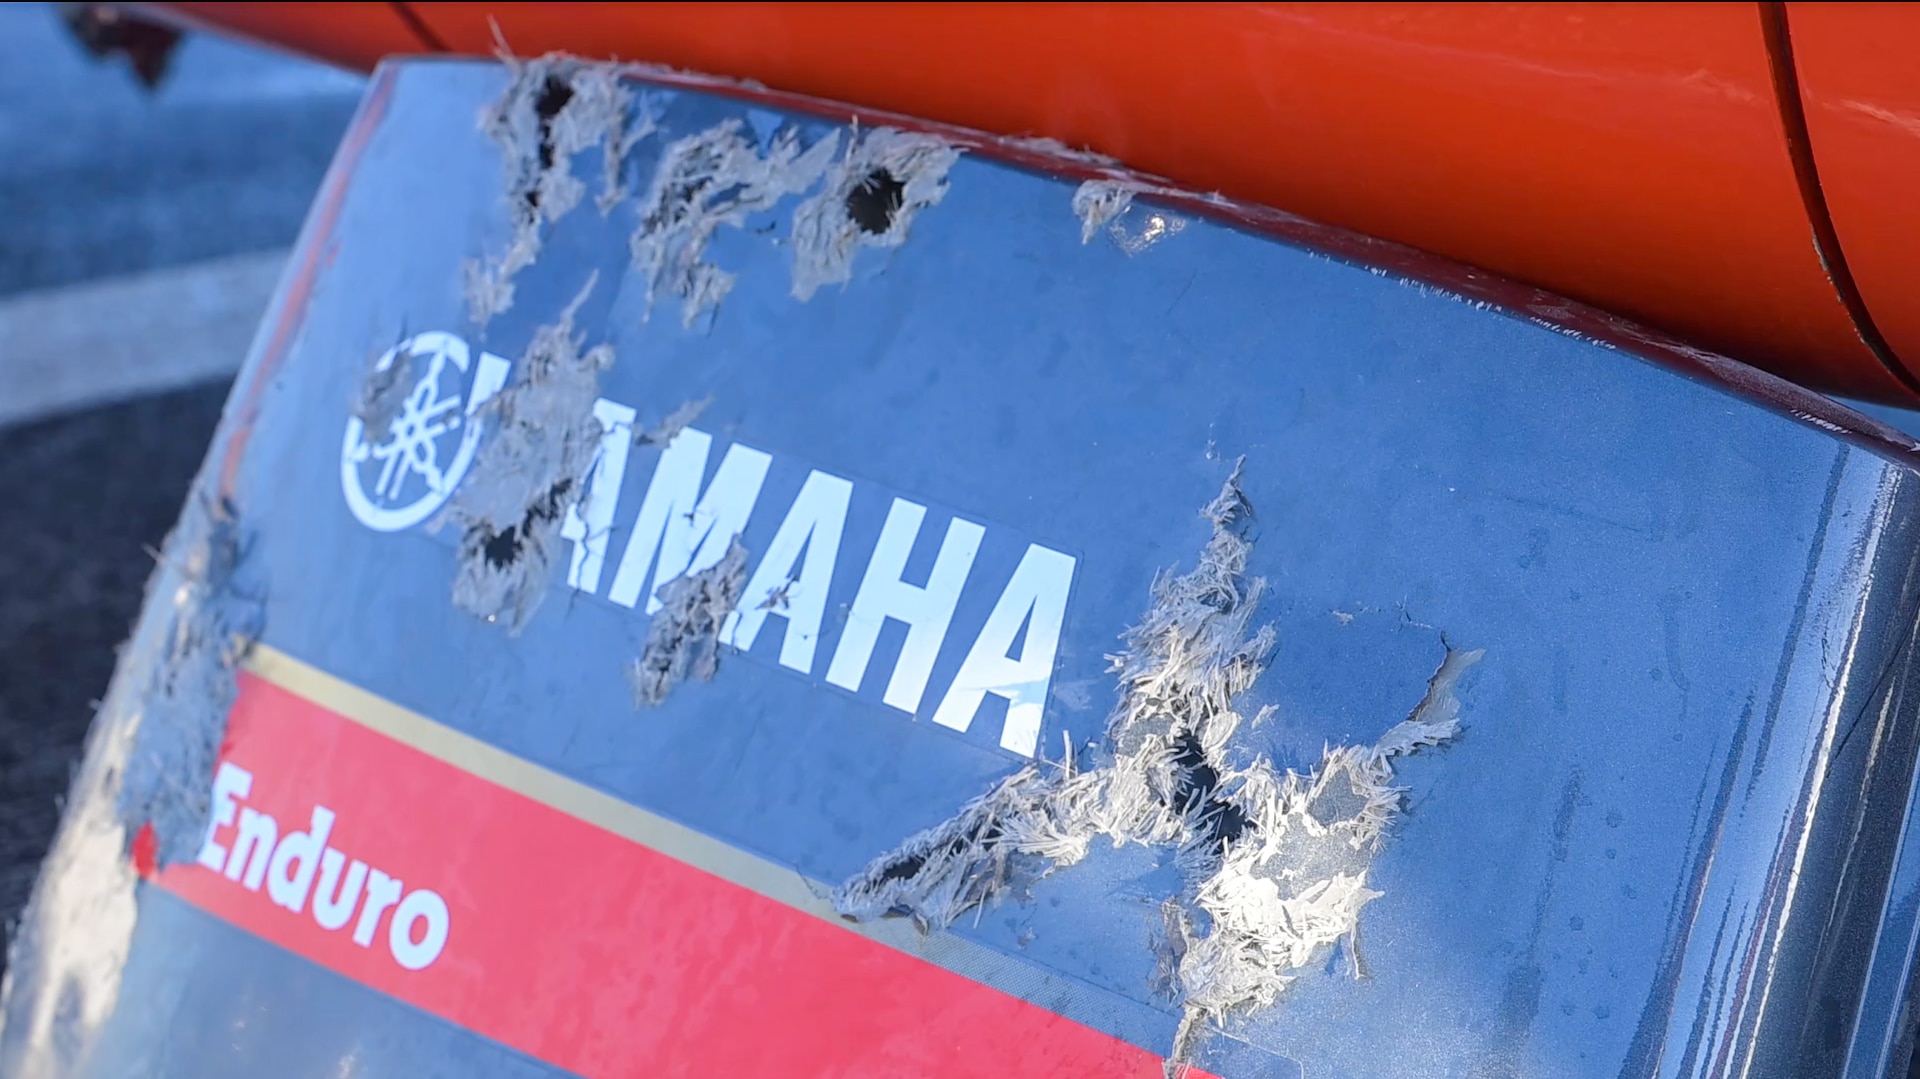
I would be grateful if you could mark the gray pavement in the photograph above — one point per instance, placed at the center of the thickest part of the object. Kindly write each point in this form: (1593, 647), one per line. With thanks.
(140, 235)
(99, 178)
(76, 346)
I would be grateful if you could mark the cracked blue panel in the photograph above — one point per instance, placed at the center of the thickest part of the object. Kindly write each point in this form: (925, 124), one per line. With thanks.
(1686, 599)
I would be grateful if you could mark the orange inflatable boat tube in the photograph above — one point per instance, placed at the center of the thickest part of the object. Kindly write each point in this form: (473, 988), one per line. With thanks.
(1738, 175)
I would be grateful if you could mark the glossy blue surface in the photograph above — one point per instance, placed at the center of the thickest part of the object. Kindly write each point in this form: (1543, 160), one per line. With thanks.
(1661, 846)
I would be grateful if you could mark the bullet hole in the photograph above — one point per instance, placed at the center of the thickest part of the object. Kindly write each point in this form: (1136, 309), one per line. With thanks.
(502, 549)
(869, 199)
(554, 95)
(910, 864)
(874, 200)
(1276, 862)
(543, 438)
(1216, 822)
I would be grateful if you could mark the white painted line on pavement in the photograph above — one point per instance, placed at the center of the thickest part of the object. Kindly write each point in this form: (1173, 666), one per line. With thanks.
(100, 341)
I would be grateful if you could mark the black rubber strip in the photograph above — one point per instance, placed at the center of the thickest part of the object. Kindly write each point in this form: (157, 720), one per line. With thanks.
(419, 27)
(1826, 239)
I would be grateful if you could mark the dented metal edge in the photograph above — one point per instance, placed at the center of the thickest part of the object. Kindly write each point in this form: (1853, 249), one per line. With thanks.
(139, 800)
(183, 706)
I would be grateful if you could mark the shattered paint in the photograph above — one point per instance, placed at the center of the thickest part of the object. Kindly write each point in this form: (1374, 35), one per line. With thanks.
(1052, 147)
(1156, 226)
(529, 472)
(1294, 884)
(383, 392)
(706, 180)
(144, 774)
(869, 200)
(188, 693)
(683, 640)
(1183, 666)
(1102, 203)
(554, 108)
(1275, 862)
(1097, 202)
(558, 106)
(675, 422)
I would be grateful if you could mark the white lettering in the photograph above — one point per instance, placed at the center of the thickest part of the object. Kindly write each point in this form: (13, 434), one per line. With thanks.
(418, 906)
(382, 892)
(1035, 597)
(230, 784)
(926, 611)
(589, 526)
(289, 866)
(289, 889)
(689, 529)
(815, 522)
(686, 523)
(333, 903)
(252, 847)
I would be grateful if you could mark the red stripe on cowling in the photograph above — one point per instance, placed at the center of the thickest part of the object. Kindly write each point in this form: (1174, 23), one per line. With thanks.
(601, 956)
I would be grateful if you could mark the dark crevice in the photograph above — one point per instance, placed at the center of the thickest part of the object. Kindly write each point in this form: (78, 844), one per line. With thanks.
(875, 200)
(1806, 173)
(910, 865)
(502, 549)
(1216, 822)
(554, 95)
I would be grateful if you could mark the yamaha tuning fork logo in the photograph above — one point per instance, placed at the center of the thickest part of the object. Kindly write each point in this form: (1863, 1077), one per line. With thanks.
(396, 478)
